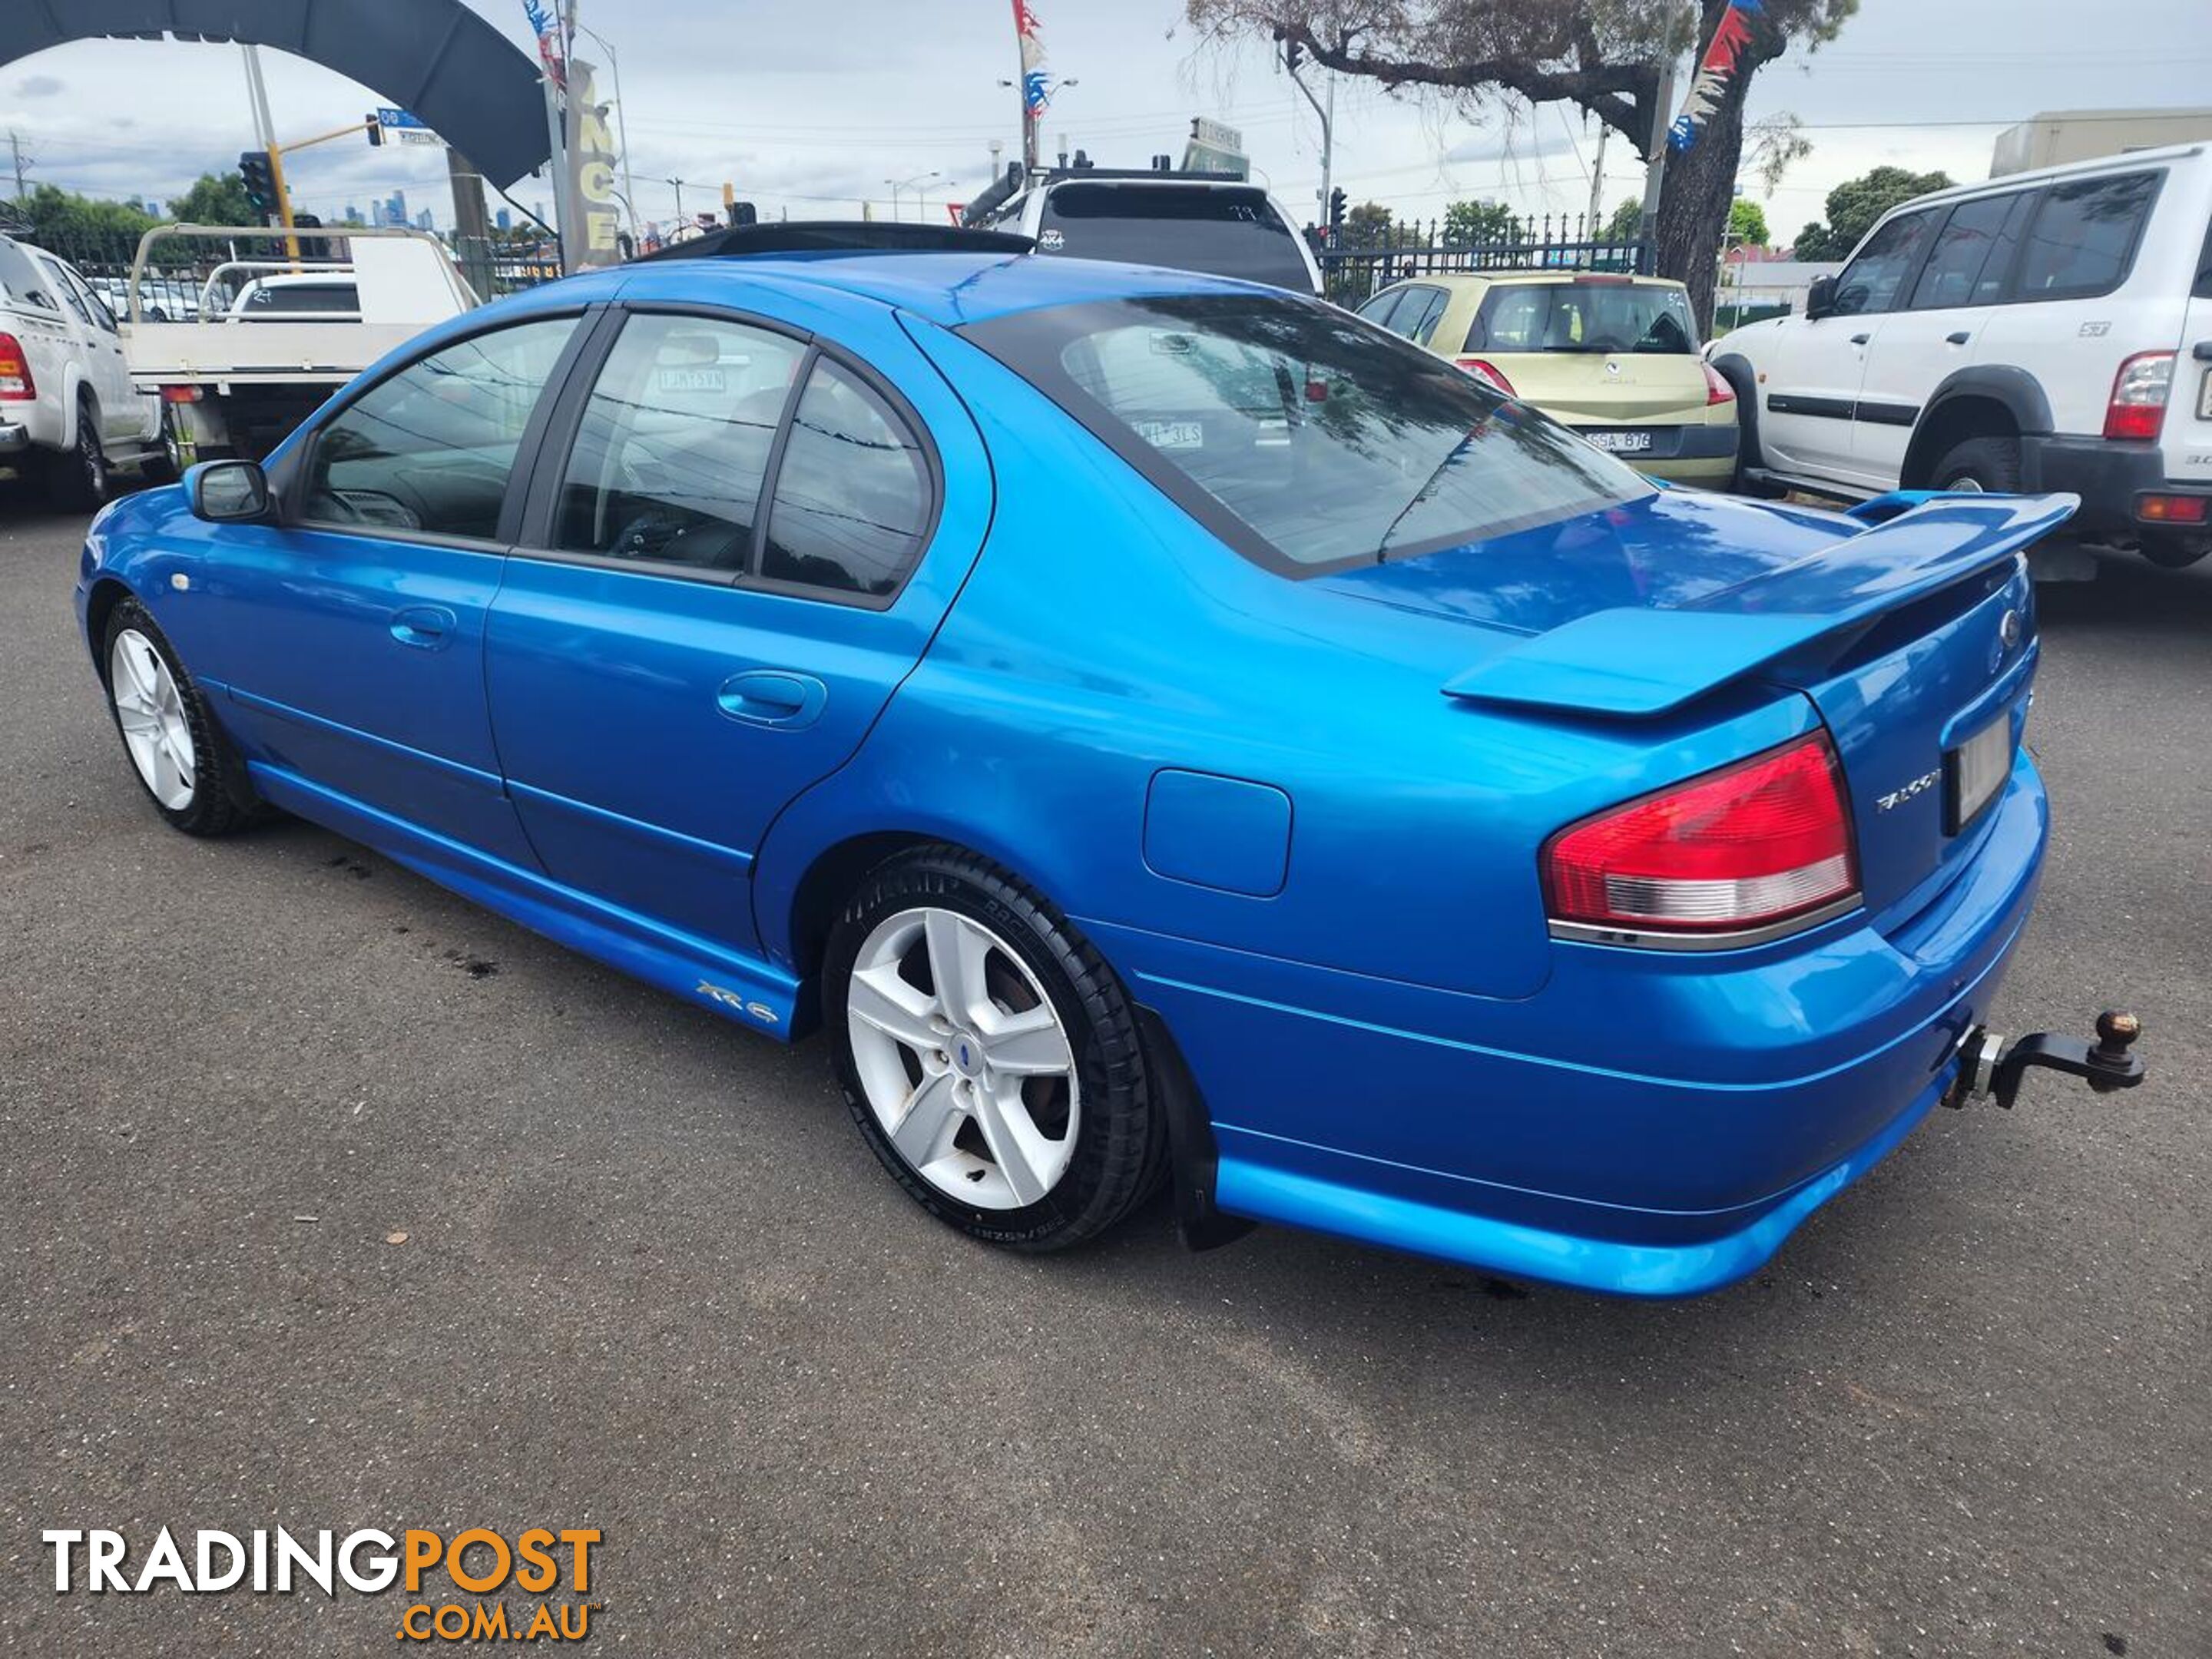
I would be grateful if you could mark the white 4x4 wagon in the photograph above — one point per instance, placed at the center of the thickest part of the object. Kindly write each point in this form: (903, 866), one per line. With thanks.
(68, 410)
(2049, 331)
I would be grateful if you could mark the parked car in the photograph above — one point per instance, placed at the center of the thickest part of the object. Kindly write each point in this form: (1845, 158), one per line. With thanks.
(2043, 330)
(1155, 724)
(1614, 357)
(1219, 227)
(69, 413)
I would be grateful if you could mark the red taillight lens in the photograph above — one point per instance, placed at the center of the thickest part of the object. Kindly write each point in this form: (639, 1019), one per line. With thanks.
(2173, 509)
(1483, 371)
(1755, 843)
(2137, 406)
(17, 385)
(1718, 389)
(180, 394)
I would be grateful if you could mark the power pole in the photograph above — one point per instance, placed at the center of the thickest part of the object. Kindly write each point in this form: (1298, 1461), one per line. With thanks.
(1655, 156)
(1597, 186)
(678, 183)
(23, 163)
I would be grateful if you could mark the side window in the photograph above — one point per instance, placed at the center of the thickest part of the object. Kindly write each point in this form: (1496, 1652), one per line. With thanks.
(19, 279)
(1967, 265)
(87, 301)
(853, 494)
(2083, 240)
(428, 451)
(1378, 310)
(675, 442)
(58, 280)
(1514, 317)
(1418, 320)
(1872, 281)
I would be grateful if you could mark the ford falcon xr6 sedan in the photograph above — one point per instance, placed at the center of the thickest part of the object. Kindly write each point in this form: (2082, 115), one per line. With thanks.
(1163, 729)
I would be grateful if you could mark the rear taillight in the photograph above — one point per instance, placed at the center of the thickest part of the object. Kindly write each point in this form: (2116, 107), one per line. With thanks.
(2174, 509)
(1751, 845)
(1718, 389)
(180, 394)
(1484, 371)
(17, 385)
(2137, 406)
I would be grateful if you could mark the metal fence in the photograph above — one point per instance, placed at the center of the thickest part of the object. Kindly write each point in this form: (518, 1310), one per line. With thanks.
(177, 272)
(1358, 260)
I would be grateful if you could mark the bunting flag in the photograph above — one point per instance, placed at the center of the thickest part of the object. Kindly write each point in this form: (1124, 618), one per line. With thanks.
(1714, 73)
(548, 30)
(1036, 92)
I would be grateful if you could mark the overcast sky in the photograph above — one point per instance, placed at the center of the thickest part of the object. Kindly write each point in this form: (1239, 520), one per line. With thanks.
(811, 108)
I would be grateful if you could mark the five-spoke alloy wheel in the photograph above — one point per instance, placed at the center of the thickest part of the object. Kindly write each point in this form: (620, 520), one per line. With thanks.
(989, 1053)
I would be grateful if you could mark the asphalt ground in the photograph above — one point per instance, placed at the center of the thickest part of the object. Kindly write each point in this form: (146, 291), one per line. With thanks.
(653, 1284)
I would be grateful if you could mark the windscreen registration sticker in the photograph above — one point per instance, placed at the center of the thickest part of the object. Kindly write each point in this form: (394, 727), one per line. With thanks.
(1172, 435)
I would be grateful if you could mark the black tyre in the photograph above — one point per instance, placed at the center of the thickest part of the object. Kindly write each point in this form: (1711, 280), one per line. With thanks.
(182, 758)
(989, 1054)
(1989, 465)
(78, 480)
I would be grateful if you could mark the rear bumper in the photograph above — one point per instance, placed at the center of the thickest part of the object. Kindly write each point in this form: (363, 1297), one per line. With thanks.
(15, 440)
(1650, 1123)
(1684, 454)
(2109, 477)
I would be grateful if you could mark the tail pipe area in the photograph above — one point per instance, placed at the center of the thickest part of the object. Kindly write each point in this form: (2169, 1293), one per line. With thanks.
(1991, 1068)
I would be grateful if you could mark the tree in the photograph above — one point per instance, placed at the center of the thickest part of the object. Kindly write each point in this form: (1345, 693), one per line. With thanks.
(1627, 220)
(1602, 56)
(62, 219)
(1746, 223)
(216, 199)
(1367, 225)
(1855, 204)
(1472, 224)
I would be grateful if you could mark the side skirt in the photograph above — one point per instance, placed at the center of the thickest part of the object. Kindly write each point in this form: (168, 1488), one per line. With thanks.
(742, 988)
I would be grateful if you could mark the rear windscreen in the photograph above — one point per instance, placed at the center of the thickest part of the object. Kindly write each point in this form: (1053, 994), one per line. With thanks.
(1607, 317)
(1218, 232)
(1303, 437)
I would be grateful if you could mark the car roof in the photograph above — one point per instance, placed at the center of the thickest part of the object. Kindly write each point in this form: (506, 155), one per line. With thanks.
(949, 288)
(1492, 278)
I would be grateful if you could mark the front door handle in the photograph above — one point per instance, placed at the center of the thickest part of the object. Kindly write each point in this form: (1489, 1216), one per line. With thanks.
(1861, 339)
(773, 696)
(1957, 337)
(425, 627)
(2202, 351)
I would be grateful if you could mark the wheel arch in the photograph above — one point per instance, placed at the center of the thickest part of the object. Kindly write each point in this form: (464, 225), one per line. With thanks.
(1987, 401)
(1736, 369)
(100, 604)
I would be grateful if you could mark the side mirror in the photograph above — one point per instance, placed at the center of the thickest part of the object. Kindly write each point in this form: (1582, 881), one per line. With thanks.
(229, 492)
(1820, 298)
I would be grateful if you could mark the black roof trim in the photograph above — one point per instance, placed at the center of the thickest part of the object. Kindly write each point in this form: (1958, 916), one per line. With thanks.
(842, 236)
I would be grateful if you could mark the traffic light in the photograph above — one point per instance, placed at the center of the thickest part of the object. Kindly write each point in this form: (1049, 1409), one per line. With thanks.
(375, 130)
(1336, 209)
(259, 173)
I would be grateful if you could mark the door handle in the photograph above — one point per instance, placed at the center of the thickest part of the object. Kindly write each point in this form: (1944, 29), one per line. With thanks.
(1861, 339)
(1959, 336)
(2202, 351)
(773, 696)
(425, 627)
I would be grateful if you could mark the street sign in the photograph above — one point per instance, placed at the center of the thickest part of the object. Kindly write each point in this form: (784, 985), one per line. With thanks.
(1215, 147)
(408, 129)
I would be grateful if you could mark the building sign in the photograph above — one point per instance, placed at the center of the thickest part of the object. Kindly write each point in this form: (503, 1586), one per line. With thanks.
(592, 219)
(408, 129)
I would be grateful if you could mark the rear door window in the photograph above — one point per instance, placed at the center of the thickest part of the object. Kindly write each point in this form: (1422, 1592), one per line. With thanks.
(19, 280)
(1379, 310)
(58, 280)
(1417, 318)
(853, 493)
(1219, 230)
(2083, 241)
(1972, 255)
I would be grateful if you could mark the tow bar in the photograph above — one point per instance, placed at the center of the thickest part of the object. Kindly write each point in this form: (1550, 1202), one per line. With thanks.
(1987, 1066)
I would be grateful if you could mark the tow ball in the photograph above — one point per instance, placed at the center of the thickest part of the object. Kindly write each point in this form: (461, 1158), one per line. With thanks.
(1988, 1065)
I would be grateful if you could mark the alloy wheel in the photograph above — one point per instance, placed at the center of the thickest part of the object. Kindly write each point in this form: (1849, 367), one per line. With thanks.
(91, 459)
(150, 709)
(963, 1059)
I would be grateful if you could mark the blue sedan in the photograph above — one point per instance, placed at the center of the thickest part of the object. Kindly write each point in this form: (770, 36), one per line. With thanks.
(1162, 729)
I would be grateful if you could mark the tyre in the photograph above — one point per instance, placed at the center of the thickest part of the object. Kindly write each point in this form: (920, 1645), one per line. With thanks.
(989, 1054)
(1990, 464)
(181, 756)
(77, 479)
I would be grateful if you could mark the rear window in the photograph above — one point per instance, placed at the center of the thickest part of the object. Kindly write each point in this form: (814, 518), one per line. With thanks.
(1221, 232)
(2083, 240)
(1607, 317)
(1304, 438)
(320, 297)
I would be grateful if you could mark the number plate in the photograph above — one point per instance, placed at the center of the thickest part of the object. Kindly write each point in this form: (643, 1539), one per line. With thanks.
(2204, 397)
(1975, 772)
(1620, 443)
(1172, 435)
(688, 378)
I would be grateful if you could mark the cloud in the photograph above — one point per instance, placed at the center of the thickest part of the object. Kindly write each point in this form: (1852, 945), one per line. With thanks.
(41, 86)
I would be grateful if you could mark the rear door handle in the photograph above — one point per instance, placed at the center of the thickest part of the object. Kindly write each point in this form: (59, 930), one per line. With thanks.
(425, 627)
(1959, 336)
(1861, 339)
(2202, 351)
(773, 696)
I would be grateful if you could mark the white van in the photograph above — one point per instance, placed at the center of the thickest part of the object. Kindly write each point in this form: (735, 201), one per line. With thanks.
(69, 412)
(2045, 330)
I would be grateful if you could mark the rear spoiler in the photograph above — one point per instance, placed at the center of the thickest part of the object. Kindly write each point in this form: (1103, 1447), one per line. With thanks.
(1636, 662)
